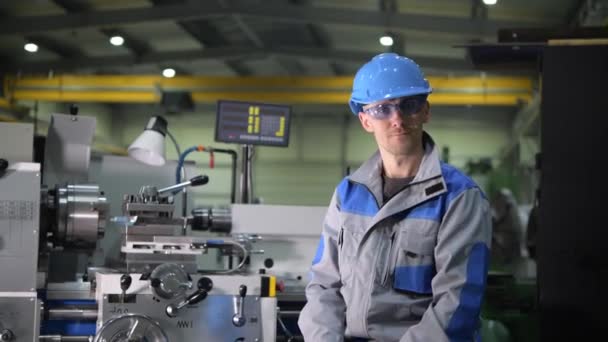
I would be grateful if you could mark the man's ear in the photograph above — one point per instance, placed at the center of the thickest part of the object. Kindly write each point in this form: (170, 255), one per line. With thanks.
(366, 122)
(426, 112)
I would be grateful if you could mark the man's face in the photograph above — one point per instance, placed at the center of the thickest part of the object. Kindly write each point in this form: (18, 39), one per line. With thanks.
(396, 123)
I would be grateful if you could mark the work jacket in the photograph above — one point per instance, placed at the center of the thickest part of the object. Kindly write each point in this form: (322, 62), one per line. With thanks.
(411, 269)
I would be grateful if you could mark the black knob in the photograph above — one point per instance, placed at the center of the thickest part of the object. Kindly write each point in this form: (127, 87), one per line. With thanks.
(242, 290)
(6, 335)
(125, 282)
(205, 284)
(73, 109)
(3, 166)
(155, 282)
(199, 180)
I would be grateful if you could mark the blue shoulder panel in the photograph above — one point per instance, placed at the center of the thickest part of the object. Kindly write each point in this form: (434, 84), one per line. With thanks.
(356, 199)
(456, 181)
(435, 208)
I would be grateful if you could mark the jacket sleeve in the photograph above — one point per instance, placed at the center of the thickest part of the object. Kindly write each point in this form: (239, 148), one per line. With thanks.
(461, 264)
(322, 318)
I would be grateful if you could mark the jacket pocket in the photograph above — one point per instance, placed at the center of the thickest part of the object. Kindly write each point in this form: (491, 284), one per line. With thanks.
(414, 263)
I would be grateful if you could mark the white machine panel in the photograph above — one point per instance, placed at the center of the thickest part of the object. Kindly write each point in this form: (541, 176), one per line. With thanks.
(16, 142)
(277, 220)
(19, 221)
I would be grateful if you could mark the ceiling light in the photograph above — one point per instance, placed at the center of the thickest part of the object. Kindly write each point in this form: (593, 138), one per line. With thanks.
(30, 47)
(386, 40)
(490, 2)
(168, 72)
(117, 40)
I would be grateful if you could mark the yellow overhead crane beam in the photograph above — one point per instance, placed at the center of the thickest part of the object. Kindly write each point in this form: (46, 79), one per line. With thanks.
(4, 103)
(490, 90)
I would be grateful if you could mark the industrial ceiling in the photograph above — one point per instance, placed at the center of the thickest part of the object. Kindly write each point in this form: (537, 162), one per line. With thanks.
(262, 37)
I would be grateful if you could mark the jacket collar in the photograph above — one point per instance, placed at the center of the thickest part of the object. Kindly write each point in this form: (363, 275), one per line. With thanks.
(427, 183)
(370, 173)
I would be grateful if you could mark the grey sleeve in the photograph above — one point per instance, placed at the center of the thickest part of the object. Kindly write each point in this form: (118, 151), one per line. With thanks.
(461, 264)
(322, 318)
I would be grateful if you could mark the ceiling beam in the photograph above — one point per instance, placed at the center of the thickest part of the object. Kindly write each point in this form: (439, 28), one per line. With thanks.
(206, 35)
(138, 47)
(278, 12)
(322, 40)
(209, 37)
(223, 53)
(293, 67)
(252, 36)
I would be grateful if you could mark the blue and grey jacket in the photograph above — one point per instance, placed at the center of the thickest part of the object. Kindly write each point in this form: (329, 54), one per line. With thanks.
(411, 269)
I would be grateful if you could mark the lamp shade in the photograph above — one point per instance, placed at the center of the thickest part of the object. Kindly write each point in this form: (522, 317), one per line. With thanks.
(149, 147)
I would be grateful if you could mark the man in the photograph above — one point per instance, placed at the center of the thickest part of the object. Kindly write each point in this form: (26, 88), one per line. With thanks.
(405, 245)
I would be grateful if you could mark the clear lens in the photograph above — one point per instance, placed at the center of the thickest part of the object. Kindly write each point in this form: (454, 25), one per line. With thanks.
(406, 105)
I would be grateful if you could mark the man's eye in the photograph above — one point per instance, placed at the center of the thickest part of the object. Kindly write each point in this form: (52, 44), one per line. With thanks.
(384, 109)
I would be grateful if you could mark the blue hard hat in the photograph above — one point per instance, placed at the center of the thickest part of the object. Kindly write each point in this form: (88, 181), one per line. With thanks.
(387, 76)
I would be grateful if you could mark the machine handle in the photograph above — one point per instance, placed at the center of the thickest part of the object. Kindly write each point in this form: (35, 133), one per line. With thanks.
(194, 298)
(195, 181)
(239, 307)
(204, 286)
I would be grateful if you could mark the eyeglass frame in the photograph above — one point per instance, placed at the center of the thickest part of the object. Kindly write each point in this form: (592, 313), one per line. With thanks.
(416, 101)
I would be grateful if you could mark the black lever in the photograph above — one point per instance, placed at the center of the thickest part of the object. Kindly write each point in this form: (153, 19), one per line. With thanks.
(73, 109)
(125, 283)
(195, 181)
(204, 286)
(3, 166)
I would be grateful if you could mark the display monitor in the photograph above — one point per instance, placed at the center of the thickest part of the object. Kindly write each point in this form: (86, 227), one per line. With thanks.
(252, 123)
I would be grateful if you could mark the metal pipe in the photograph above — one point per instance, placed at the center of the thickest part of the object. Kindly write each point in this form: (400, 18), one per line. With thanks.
(233, 157)
(61, 338)
(71, 313)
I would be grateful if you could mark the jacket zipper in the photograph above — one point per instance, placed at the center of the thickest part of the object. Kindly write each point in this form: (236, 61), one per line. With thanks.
(387, 266)
(341, 238)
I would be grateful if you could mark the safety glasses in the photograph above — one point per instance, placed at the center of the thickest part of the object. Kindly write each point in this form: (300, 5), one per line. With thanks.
(406, 105)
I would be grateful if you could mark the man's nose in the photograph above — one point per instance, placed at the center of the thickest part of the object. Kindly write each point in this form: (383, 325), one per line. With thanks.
(396, 115)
